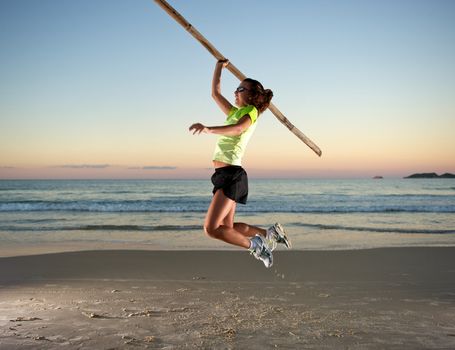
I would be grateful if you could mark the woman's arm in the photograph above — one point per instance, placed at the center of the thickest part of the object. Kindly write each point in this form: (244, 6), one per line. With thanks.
(227, 130)
(221, 101)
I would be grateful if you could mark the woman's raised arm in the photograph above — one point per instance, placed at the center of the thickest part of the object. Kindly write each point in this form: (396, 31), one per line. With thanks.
(220, 100)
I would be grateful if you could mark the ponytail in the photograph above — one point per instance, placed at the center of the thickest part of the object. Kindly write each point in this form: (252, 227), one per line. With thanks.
(260, 97)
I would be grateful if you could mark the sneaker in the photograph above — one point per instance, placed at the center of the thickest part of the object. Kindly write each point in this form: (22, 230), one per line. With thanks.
(262, 251)
(275, 234)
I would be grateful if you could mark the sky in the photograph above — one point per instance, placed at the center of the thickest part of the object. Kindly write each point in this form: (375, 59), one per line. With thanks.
(108, 89)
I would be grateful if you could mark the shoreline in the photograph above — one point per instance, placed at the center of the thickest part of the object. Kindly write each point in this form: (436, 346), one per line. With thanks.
(150, 264)
(9, 249)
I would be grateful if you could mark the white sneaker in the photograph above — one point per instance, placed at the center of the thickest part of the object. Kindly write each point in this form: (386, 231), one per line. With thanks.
(276, 234)
(262, 251)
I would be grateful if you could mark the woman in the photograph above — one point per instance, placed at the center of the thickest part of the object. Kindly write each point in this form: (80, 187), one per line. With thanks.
(230, 179)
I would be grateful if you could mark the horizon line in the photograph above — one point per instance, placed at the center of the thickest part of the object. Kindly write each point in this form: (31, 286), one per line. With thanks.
(204, 178)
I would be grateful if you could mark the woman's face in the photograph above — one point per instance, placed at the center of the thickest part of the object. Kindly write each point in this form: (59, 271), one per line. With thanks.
(242, 94)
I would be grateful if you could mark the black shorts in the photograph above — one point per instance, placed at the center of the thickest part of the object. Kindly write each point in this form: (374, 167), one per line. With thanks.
(233, 180)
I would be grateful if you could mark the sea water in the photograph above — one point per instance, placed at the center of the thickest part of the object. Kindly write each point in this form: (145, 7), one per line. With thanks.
(169, 214)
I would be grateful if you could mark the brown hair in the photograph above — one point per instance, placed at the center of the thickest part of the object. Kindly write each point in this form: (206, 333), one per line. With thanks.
(259, 97)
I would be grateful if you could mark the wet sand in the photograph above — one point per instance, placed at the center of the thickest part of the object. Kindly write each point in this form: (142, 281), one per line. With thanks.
(394, 298)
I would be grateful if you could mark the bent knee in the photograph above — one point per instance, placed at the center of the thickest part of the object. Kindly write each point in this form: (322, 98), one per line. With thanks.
(211, 231)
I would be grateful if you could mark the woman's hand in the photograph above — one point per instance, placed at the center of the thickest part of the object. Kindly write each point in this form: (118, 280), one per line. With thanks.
(197, 128)
(224, 63)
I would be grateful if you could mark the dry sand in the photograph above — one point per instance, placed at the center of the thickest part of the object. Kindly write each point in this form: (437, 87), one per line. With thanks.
(398, 298)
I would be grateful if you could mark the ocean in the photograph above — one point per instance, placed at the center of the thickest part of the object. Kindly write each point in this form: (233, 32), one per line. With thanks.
(169, 214)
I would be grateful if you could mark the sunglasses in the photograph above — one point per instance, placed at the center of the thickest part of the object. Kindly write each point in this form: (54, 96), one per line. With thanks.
(241, 89)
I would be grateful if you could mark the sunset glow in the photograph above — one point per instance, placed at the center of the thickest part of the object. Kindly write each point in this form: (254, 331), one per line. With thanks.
(108, 89)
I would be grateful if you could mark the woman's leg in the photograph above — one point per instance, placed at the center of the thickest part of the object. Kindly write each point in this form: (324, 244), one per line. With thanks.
(249, 230)
(244, 229)
(221, 211)
(229, 219)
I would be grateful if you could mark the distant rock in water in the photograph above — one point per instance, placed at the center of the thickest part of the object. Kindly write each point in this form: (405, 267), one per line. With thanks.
(430, 176)
(422, 176)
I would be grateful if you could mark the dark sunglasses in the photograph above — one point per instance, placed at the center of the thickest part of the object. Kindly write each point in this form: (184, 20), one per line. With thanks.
(241, 89)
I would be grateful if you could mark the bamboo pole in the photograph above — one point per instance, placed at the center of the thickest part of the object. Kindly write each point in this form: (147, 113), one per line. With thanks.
(234, 70)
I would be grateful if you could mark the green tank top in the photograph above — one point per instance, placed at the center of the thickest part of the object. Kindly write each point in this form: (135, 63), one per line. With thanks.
(230, 149)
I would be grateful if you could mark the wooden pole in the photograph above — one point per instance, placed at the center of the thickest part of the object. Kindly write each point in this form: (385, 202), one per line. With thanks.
(237, 73)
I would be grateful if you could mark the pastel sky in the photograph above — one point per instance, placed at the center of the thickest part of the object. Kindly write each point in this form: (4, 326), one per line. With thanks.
(108, 89)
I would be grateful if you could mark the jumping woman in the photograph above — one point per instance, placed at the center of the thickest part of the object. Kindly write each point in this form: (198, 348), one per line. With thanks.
(230, 180)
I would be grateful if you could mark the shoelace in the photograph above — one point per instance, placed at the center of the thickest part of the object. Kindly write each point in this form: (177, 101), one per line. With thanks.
(258, 255)
(254, 252)
(264, 252)
(272, 240)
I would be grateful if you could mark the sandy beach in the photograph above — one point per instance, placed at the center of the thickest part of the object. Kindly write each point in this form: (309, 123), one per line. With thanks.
(394, 298)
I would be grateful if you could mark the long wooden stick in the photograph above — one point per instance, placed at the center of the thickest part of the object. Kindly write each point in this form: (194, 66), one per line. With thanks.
(199, 37)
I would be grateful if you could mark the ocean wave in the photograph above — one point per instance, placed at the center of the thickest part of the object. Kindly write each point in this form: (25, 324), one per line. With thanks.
(161, 228)
(198, 206)
(374, 229)
(146, 228)
(138, 228)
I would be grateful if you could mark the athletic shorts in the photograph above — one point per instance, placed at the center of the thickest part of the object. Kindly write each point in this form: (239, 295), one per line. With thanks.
(233, 180)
